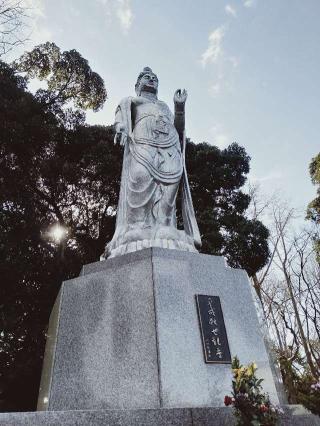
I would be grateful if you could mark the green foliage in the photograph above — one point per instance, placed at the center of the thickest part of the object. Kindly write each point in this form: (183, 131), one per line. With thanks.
(216, 177)
(313, 211)
(252, 406)
(314, 169)
(68, 76)
(48, 174)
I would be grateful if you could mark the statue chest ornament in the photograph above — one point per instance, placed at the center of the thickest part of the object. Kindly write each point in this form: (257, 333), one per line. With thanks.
(155, 130)
(160, 127)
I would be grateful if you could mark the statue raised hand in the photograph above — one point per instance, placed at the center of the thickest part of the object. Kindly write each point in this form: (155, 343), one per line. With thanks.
(180, 97)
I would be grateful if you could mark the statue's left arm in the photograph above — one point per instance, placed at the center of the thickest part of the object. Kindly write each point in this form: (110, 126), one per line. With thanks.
(179, 99)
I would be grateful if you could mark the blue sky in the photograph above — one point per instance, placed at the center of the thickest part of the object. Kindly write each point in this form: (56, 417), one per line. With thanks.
(251, 68)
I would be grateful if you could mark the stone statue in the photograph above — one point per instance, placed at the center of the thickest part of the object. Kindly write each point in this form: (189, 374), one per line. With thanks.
(153, 167)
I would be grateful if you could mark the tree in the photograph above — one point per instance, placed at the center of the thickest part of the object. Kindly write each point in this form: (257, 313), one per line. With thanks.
(42, 161)
(257, 208)
(58, 171)
(12, 23)
(289, 288)
(70, 81)
(313, 211)
(216, 177)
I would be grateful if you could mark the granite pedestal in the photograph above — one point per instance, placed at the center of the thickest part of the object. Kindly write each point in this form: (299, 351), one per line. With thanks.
(124, 346)
(125, 334)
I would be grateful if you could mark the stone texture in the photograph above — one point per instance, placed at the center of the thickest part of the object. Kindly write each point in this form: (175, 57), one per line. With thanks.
(128, 334)
(161, 417)
(297, 415)
(209, 416)
(105, 353)
(185, 380)
(48, 361)
(113, 263)
(205, 416)
(167, 243)
(153, 170)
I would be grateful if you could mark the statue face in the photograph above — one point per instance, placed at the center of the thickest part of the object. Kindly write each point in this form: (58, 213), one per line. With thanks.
(148, 83)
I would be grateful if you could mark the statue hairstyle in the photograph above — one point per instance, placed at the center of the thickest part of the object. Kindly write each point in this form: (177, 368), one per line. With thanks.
(145, 70)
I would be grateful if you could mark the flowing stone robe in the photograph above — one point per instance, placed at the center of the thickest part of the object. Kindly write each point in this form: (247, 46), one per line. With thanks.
(153, 166)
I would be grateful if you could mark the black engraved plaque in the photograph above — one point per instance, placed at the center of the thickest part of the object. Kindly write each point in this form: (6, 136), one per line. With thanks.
(213, 332)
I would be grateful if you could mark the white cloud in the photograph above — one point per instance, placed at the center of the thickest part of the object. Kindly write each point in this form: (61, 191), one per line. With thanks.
(124, 14)
(221, 141)
(215, 54)
(121, 9)
(249, 3)
(230, 10)
(214, 49)
(220, 138)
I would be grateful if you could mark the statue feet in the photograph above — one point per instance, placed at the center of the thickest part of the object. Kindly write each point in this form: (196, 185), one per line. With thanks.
(137, 238)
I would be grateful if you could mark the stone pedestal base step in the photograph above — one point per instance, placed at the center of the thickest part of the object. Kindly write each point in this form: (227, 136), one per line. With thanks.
(205, 416)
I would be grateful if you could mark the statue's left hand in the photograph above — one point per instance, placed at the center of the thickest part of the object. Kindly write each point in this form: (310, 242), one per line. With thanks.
(180, 96)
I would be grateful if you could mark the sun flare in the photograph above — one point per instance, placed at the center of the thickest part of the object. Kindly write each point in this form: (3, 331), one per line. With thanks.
(58, 232)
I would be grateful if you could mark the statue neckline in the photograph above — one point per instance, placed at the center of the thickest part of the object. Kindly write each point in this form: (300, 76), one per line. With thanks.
(150, 100)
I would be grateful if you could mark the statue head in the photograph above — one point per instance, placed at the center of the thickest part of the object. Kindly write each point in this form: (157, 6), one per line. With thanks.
(147, 81)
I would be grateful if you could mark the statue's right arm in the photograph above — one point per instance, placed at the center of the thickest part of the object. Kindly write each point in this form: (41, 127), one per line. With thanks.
(122, 121)
(121, 135)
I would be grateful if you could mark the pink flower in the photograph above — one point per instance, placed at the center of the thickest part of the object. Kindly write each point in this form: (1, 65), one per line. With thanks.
(263, 408)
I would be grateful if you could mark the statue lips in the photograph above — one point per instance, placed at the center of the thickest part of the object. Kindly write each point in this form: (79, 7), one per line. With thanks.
(149, 88)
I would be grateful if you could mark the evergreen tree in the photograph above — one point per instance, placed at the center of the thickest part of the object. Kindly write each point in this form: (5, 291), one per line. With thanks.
(216, 177)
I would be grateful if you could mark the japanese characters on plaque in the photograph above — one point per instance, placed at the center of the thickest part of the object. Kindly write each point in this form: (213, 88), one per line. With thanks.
(213, 332)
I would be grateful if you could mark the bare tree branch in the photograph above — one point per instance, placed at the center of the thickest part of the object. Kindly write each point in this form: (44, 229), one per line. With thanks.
(12, 25)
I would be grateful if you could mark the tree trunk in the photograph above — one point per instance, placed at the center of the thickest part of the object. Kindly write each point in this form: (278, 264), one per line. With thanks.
(300, 327)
